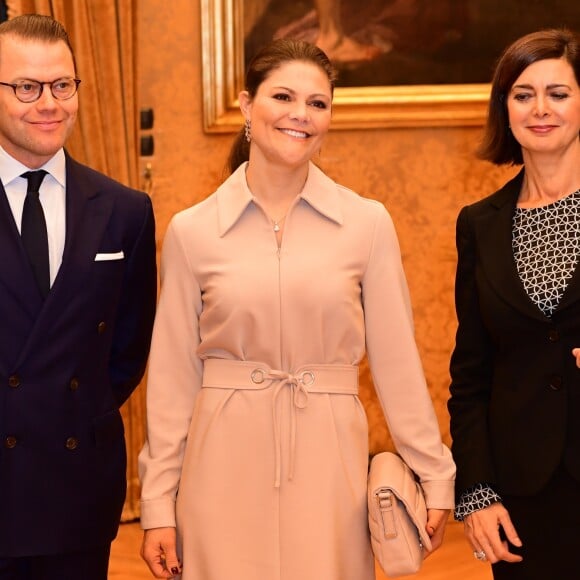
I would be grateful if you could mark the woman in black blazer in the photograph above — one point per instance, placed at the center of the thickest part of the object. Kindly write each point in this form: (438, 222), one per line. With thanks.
(515, 391)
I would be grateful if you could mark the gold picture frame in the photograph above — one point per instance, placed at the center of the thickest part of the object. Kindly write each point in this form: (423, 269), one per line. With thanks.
(353, 107)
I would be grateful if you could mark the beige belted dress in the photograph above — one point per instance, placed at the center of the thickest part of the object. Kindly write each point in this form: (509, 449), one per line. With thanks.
(257, 442)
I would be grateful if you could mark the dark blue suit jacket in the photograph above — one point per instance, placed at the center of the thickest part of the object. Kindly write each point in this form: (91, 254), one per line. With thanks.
(515, 391)
(66, 366)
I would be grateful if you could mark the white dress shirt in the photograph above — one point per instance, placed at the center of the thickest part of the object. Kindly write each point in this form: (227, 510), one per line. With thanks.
(52, 198)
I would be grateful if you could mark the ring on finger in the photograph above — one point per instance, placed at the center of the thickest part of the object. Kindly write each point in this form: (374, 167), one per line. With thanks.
(479, 555)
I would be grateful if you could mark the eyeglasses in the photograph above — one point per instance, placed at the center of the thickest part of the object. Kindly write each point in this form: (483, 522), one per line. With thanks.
(28, 91)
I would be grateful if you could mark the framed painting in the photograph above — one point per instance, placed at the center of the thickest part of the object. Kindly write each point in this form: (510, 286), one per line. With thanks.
(401, 63)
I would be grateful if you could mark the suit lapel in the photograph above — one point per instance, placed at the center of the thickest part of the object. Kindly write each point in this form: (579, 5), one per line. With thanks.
(572, 292)
(494, 228)
(87, 214)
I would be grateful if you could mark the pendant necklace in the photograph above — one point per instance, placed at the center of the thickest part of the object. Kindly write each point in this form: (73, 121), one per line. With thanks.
(276, 223)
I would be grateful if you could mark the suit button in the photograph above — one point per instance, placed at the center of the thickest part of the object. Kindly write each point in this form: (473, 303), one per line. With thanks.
(556, 383)
(10, 442)
(553, 335)
(14, 381)
(71, 443)
(74, 384)
(101, 327)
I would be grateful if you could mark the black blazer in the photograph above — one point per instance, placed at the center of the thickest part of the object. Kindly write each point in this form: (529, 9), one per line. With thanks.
(68, 363)
(515, 390)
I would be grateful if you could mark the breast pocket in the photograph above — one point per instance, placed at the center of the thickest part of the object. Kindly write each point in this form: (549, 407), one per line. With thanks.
(109, 266)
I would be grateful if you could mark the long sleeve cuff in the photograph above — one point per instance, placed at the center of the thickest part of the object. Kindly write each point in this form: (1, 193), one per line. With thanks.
(158, 513)
(439, 494)
(475, 498)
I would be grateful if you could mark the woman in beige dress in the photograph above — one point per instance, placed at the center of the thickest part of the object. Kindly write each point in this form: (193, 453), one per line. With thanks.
(255, 464)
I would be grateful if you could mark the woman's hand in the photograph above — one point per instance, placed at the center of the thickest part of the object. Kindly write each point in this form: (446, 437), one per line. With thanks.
(576, 355)
(436, 522)
(159, 551)
(482, 530)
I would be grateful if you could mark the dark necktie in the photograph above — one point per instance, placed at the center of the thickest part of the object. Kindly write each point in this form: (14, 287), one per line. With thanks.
(33, 231)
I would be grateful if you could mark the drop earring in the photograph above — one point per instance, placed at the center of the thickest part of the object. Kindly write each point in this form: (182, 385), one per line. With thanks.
(248, 130)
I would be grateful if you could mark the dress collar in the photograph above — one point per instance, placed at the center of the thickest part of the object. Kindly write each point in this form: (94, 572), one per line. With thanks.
(234, 196)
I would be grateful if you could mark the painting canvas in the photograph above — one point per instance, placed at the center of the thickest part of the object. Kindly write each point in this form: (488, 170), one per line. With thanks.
(400, 62)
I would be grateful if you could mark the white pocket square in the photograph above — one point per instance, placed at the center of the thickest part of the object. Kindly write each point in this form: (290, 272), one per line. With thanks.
(109, 256)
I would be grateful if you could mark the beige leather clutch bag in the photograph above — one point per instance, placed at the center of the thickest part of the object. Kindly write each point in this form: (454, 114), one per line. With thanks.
(397, 515)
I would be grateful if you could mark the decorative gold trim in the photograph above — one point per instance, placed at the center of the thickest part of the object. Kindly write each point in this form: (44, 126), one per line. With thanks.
(353, 107)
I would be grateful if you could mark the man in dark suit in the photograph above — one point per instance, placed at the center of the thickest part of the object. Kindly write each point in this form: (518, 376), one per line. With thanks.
(76, 319)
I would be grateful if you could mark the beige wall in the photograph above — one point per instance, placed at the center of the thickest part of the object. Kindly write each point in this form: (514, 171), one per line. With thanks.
(422, 175)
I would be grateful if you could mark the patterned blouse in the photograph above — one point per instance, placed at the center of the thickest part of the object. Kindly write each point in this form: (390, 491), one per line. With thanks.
(546, 246)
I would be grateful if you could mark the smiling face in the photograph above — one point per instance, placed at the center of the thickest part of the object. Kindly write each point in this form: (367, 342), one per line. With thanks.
(289, 115)
(544, 107)
(33, 132)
